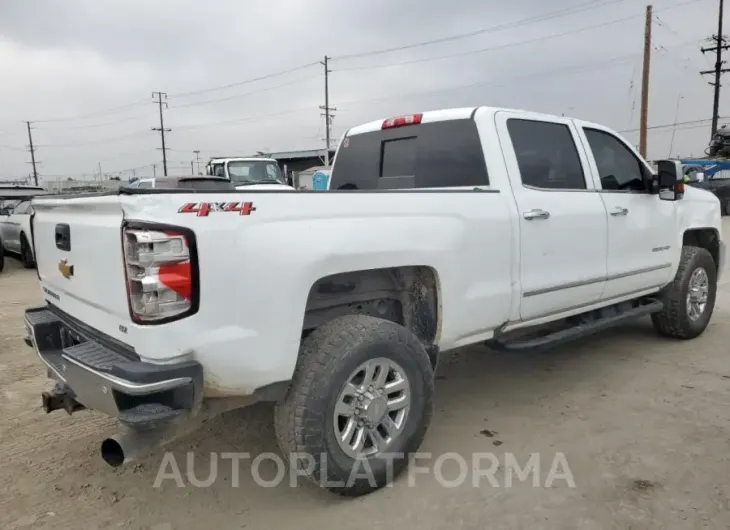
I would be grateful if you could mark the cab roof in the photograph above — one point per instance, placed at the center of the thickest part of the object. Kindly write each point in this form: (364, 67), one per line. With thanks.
(453, 114)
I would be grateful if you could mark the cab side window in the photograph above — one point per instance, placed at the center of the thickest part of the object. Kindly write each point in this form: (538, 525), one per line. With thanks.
(618, 168)
(546, 155)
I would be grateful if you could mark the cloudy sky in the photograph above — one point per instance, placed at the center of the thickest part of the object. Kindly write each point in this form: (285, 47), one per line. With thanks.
(244, 76)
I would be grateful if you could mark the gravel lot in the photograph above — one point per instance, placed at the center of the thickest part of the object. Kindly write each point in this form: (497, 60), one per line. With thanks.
(643, 423)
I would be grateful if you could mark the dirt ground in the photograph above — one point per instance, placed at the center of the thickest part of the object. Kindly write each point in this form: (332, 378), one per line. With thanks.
(643, 422)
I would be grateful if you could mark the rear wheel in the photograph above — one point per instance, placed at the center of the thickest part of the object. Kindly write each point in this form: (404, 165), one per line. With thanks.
(359, 404)
(2, 257)
(690, 299)
(26, 253)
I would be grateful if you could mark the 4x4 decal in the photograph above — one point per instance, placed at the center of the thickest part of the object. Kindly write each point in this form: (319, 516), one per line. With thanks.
(202, 209)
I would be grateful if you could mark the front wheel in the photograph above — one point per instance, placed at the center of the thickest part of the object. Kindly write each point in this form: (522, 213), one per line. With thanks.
(690, 299)
(359, 404)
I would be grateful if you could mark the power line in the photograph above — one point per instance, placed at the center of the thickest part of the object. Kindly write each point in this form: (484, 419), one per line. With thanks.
(669, 125)
(489, 48)
(161, 128)
(92, 125)
(502, 46)
(570, 69)
(94, 142)
(245, 82)
(112, 110)
(237, 96)
(540, 18)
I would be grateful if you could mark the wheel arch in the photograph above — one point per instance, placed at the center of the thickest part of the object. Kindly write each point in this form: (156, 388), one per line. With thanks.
(707, 238)
(407, 295)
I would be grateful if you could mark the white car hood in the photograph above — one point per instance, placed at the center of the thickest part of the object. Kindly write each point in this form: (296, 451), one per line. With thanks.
(265, 187)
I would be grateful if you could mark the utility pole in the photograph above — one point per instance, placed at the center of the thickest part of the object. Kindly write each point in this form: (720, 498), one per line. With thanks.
(192, 167)
(32, 154)
(327, 111)
(643, 122)
(101, 175)
(718, 70)
(154, 170)
(197, 159)
(161, 128)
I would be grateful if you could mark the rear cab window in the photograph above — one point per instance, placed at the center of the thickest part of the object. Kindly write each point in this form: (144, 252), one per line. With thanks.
(436, 154)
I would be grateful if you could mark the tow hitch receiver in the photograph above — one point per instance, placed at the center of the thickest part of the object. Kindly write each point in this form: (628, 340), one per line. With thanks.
(60, 398)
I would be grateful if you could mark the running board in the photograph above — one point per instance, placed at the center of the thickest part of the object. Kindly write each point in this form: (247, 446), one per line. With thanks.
(606, 318)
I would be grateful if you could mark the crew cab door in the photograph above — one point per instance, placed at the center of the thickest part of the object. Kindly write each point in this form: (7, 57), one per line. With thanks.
(642, 233)
(562, 220)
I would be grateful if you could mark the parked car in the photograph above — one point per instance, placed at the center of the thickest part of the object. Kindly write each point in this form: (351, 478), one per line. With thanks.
(712, 175)
(439, 230)
(249, 173)
(15, 234)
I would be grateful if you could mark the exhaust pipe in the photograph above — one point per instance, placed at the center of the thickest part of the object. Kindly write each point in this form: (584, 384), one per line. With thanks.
(134, 444)
(127, 447)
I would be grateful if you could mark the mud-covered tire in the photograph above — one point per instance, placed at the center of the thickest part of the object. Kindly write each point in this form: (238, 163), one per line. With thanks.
(674, 320)
(305, 422)
(26, 253)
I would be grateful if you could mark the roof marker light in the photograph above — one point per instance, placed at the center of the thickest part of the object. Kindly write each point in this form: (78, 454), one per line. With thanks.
(402, 121)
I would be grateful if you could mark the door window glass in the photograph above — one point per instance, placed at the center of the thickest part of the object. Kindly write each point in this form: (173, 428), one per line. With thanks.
(546, 155)
(618, 167)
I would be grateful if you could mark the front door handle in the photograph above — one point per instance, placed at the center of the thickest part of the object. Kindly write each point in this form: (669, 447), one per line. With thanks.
(619, 211)
(536, 214)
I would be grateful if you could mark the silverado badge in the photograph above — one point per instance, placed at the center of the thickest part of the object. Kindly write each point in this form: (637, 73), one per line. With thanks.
(65, 269)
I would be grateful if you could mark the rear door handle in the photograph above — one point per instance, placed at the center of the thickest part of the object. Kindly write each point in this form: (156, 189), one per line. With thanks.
(619, 211)
(536, 214)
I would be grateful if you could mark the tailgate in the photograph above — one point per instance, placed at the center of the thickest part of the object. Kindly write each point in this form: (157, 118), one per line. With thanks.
(78, 251)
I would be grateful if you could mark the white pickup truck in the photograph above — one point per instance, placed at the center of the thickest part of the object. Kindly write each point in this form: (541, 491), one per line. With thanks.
(439, 230)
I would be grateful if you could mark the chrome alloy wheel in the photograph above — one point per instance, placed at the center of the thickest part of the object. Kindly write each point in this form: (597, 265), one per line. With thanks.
(372, 408)
(697, 293)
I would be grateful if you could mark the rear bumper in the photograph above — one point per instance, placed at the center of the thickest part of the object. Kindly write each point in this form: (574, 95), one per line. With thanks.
(107, 378)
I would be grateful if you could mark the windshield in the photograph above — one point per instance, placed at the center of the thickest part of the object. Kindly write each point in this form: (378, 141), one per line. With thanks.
(9, 204)
(254, 172)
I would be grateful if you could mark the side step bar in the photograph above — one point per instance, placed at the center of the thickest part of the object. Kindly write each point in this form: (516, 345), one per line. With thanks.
(606, 318)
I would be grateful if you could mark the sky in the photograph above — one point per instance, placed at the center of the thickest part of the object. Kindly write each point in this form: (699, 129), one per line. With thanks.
(242, 77)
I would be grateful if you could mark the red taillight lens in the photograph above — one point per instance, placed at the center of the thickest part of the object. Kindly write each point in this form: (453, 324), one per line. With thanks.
(401, 121)
(159, 269)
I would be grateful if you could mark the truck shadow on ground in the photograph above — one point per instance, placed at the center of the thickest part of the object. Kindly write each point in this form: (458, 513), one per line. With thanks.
(474, 385)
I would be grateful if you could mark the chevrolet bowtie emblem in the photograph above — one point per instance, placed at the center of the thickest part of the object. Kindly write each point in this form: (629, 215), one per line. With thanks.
(65, 269)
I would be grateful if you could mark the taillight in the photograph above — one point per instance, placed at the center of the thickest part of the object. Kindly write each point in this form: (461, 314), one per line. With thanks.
(160, 273)
(400, 121)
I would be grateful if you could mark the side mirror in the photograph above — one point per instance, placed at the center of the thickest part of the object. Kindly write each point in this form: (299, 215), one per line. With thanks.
(669, 174)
